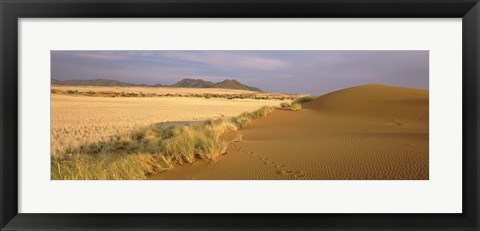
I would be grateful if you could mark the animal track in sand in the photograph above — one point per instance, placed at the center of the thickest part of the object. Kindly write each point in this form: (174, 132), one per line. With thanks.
(284, 172)
(395, 122)
(299, 174)
(296, 174)
(280, 167)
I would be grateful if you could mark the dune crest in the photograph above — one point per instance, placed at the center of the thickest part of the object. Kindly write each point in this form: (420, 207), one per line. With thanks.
(374, 100)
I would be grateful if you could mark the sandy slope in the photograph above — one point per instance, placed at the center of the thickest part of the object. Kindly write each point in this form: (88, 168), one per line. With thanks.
(365, 132)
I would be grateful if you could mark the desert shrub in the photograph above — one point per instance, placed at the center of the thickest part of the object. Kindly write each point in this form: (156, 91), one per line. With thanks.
(72, 92)
(55, 91)
(90, 93)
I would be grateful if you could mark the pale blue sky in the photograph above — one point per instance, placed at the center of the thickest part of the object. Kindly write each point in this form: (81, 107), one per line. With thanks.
(314, 72)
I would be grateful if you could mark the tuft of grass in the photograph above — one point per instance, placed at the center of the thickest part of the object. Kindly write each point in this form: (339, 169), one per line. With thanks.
(285, 105)
(303, 99)
(245, 118)
(238, 137)
(295, 107)
(140, 153)
(105, 167)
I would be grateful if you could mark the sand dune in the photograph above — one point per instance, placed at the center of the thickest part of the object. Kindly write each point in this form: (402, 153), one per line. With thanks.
(371, 132)
(375, 101)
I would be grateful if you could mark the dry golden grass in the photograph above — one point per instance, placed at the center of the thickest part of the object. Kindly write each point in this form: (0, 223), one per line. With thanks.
(140, 153)
(77, 120)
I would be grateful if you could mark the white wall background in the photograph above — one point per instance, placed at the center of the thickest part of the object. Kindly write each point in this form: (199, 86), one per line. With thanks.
(440, 194)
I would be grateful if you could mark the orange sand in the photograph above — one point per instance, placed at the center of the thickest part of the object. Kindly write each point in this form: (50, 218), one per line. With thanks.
(372, 132)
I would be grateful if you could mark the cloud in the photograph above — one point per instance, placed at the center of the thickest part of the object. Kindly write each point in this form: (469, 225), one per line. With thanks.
(224, 59)
(312, 71)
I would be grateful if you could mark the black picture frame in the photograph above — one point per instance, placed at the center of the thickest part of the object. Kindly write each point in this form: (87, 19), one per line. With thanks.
(12, 10)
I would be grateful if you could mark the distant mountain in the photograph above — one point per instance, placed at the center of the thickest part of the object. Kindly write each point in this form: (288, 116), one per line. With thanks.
(194, 83)
(234, 84)
(56, 81)
(187, 83)
(93, 82)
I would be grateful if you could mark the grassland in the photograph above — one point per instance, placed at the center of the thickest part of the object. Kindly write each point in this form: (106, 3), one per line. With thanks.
(76, 120)
(123, 133)
(140, 153)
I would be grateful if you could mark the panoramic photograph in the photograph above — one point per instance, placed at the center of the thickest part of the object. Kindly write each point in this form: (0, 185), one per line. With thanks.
(239, 115)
